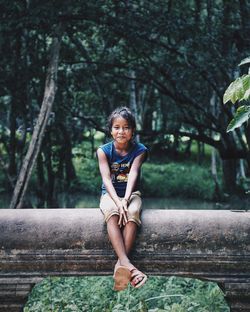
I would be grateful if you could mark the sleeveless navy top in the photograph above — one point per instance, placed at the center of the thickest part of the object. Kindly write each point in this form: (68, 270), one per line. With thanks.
(120, 166)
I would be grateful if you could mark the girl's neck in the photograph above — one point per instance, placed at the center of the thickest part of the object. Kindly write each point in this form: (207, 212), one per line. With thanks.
(122, 149)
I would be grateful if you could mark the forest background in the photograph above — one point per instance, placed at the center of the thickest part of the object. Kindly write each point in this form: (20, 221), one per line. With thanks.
(169, 61)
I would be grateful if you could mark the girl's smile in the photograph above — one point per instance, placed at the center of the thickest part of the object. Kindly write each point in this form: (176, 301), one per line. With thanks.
(121, 131)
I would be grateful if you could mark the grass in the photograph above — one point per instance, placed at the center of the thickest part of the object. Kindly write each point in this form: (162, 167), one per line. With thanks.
(95, 294)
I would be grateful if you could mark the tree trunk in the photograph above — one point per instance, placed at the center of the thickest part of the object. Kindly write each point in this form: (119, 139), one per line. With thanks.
(132, 101)
(67, 146)
(226, 35)
(188, 148)
(132, 93)
(12, 170)
(41, 181)
(26, 99)
(242, 173)
(6, 172)
(92, 141)
(51, 197)
(197, 11)
(217, 193)
(148, 120)
(175, 146)
(200, 152)
(229, 174)
(35, 144)
(16, 90)
(245, 23)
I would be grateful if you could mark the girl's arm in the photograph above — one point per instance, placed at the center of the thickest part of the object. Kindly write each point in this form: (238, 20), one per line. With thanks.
(105, 173)
(133, 174)
(132, 177)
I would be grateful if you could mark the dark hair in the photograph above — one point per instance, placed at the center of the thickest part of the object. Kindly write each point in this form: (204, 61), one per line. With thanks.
(123, 112)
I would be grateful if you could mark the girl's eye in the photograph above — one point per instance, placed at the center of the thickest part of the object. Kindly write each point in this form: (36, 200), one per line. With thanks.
(127, 128)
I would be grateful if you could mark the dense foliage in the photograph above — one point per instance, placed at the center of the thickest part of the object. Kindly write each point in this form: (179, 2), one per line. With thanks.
(177, 178)
(171, 68)
(170, 61)
(95, 294)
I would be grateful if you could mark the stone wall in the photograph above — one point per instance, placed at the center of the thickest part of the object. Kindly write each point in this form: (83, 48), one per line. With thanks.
(211, 245)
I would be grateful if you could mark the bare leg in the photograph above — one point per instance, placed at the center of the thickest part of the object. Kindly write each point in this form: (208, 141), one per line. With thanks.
(117, 240)
(122, 242)
(129, 235)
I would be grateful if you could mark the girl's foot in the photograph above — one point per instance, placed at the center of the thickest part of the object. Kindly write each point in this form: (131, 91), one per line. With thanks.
(127, 264)
(138, 278)
(122, 277)
(116, 266)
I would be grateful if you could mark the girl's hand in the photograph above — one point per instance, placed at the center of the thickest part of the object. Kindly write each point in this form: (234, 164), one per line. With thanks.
(123, 208)
(125, 204)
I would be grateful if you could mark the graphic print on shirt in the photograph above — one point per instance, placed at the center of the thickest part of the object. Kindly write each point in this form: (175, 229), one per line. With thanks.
(119, 172)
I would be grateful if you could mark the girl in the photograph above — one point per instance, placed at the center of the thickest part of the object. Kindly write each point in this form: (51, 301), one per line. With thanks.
(120, 162)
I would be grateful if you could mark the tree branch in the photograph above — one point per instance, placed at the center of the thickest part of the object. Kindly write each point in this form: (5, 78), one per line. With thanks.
(36, 140)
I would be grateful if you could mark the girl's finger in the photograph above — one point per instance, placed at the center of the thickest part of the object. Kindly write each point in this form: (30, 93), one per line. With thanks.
(125, 217)
(120, 220)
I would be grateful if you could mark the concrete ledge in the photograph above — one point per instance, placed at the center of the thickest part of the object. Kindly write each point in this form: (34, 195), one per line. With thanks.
(206, 244)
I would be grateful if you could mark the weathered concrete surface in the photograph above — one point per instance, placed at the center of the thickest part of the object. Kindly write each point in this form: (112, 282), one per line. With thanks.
(206, 244)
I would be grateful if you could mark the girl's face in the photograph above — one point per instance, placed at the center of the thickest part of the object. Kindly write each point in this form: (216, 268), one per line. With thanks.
(121, 131)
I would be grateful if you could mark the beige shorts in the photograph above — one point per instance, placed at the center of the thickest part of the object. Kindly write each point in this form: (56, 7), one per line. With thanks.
(108, 207)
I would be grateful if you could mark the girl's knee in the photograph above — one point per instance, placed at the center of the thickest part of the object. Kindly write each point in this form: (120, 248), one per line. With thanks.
(113, 219)
(131, 224)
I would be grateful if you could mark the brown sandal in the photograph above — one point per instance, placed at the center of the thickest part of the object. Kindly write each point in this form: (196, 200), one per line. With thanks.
(122, 277)
(135, 275)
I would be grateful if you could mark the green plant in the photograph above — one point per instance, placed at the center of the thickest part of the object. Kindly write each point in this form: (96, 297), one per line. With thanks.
(95, 294)
(239, 90)
(184, 180)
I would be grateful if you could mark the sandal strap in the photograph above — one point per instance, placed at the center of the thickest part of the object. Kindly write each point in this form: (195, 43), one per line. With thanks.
(137, 274)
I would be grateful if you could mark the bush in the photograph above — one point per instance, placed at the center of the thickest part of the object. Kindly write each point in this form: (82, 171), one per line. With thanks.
(177, 179)
(89, 178)
(185, 180)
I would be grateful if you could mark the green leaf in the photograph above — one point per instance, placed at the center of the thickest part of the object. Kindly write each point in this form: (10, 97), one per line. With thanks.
(237, 89)
(247, 95)
(241, 116)
(246, 87)
(245, 61)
